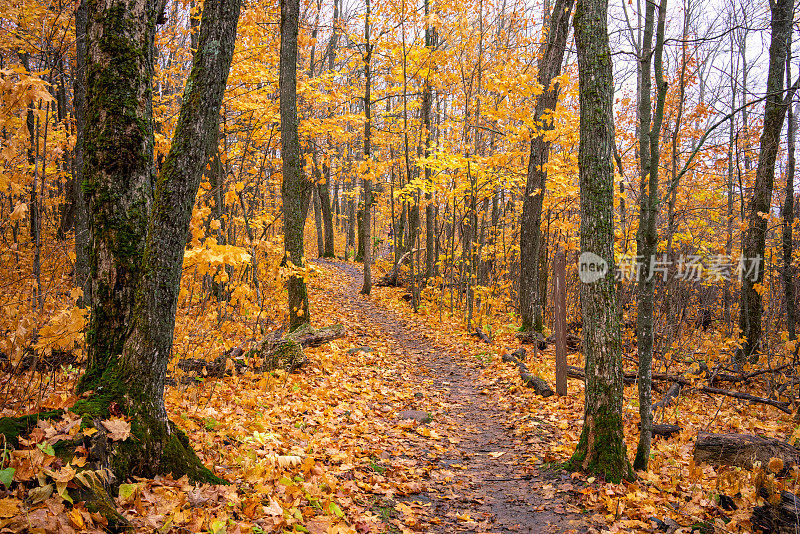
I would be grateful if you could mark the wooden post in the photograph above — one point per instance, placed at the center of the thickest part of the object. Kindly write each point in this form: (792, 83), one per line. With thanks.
(560, 320)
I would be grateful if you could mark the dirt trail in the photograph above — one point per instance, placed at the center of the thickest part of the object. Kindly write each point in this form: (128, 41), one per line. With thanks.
(491, 489)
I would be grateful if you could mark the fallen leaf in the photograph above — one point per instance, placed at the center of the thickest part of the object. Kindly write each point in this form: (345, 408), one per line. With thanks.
(118, 429)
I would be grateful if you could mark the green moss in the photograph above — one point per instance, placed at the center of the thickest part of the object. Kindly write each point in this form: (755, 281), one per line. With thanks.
(14, 427)
(608, 457)
(179, 459)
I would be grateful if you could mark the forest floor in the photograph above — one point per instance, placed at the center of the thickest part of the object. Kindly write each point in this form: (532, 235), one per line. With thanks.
(481, 481)
(407, 424)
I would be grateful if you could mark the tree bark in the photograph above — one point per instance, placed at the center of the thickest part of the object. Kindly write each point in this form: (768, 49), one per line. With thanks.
(323, 190)
(318, 208)
(788, 215)
(530, 238)
(601, 448)
(427, 112)
(367, 231)
(295, 190)
(753, 243)
(138, 225)
(742, 450)
(647, 236)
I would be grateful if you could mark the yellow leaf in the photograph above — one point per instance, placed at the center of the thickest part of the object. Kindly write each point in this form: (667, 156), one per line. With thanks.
(76, 518)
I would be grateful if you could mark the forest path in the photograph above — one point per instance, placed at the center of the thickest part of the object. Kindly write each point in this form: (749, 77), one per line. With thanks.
(481, 483)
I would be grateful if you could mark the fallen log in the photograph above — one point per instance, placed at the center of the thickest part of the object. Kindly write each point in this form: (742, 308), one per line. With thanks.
(314, 337)
(580, 374)
(480, 334)
(664, 430)
(779, 518)
(531, 337)
(540, 387)
(630, 378)
(266, 355)
(782, 406)
(742, 450)
(391, 279)
(672, 393)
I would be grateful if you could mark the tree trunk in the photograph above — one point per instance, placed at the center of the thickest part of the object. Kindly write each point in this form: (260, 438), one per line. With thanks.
(81, 210)
(601, 448)
(367, 236)
(323, 190)
(427, 111)
(296, 190)
(138, 225)
(788, 217)
(530, 237)
(318, 208)
(753, 243)
(647, 236)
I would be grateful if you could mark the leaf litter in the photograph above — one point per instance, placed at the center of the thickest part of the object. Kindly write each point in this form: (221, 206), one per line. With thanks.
(326, 450)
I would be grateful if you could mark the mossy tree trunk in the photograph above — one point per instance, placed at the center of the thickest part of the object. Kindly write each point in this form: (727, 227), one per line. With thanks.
(139, 221)
(296, 189)
(531, 246)
(753, 242)
(601, 448)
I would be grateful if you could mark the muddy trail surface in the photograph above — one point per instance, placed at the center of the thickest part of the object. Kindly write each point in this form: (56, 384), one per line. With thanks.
(481, 483)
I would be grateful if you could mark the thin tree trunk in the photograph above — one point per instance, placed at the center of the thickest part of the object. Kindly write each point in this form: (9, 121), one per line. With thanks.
(367, 235)
(427, 111)
(647, 236)
(318, 214)
(788, 216)
(81, 209)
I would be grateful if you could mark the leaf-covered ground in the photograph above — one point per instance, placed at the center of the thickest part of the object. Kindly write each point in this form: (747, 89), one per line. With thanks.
(328, 449)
